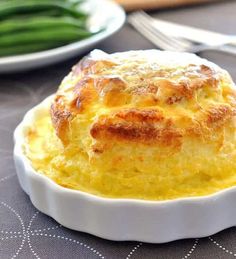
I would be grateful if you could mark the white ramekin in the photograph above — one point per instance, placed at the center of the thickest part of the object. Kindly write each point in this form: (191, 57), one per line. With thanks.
(121, 219)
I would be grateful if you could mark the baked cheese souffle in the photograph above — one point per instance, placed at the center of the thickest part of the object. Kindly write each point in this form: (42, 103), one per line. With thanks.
(145, 124)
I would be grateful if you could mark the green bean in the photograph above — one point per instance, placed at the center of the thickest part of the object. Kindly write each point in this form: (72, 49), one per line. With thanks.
(32, 25)
(13, 7)
(24, 49)
(58, 35)
(16, 25)
(43, 13)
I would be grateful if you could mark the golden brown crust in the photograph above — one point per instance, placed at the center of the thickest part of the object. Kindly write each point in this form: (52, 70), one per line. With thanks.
(140, 126)
(140, 116)
(135, 98)
(114, 91)
(84, 95)
(219, 115)
(60, 118)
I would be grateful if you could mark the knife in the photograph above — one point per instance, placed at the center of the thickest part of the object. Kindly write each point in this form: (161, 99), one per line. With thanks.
(194, 34)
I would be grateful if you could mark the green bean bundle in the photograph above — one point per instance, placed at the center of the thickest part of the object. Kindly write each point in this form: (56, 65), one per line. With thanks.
(32, 25)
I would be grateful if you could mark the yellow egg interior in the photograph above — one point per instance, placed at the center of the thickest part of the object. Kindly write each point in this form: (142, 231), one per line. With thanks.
(195, 171)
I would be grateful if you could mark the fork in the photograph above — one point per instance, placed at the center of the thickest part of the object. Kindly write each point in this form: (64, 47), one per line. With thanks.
(145, 25)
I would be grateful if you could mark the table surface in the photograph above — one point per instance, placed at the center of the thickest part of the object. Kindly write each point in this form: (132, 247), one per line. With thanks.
(27, 233)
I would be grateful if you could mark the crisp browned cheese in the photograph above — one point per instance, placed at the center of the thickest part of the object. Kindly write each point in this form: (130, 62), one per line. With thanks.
(146, 124)
(144, 99)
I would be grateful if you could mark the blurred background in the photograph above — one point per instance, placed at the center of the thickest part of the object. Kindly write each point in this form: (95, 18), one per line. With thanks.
(36, 33)
(131, 5)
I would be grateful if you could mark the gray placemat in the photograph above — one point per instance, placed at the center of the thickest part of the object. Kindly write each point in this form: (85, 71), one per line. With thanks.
(25, 232)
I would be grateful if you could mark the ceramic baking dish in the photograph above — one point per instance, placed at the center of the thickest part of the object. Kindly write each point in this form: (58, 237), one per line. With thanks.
(121, 219)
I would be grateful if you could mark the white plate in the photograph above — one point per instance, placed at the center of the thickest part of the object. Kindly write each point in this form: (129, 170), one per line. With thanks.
(121, 219)
(103, 12)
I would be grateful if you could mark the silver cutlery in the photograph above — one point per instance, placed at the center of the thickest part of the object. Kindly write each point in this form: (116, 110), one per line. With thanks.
(147, 26)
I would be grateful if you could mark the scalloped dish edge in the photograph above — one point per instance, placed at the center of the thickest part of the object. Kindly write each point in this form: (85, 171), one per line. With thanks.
(121, 219)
